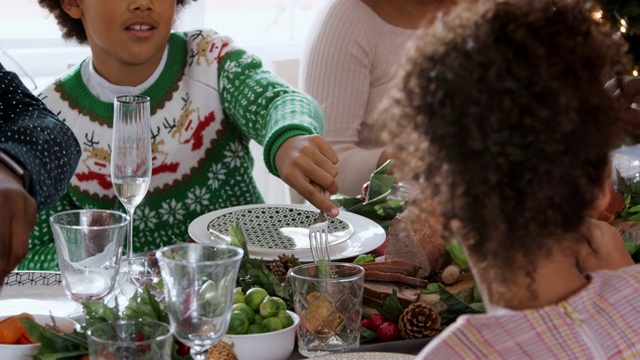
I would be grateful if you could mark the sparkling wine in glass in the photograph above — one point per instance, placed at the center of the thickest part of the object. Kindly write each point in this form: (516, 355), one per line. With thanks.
(131, 154)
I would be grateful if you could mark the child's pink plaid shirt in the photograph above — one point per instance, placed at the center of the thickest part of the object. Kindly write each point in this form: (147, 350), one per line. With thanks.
(602, 321)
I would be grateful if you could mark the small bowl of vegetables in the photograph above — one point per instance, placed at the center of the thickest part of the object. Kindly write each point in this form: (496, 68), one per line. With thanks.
(17, 344)
(260, 326)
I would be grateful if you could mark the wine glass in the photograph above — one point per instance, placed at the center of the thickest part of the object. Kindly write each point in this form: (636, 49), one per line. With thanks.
(199, 281)
(131, 154)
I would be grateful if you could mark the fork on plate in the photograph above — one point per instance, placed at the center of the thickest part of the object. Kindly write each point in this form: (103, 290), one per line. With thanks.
(319, 238)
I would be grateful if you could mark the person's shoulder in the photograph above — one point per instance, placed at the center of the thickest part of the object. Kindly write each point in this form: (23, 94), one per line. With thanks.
(198, 34)
(72, 78)
(200, 46)
(448, 344)
(616, 285)
(629, 273)
(349, 13)
(341, 6)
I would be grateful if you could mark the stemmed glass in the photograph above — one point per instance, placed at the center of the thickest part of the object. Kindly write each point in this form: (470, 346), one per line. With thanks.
(131, 154)
(199, 281)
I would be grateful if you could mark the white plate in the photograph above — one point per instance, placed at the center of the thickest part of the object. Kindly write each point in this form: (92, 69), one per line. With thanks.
(366, 356)
(270, 229)
(36, 293)
(367, 235)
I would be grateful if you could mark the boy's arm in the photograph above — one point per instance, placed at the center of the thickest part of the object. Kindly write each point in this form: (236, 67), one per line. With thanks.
(283, 120)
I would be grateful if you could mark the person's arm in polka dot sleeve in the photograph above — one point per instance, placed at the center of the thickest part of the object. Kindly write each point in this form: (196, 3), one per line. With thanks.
(34, 141)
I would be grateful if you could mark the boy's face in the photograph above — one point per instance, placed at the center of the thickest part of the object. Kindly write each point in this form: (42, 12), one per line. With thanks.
(124, 33)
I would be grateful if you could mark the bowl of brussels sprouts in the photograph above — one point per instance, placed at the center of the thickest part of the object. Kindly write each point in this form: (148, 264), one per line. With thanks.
(260, 326)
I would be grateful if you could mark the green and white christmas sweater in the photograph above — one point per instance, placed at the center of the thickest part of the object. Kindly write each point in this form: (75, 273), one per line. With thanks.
(209, 101)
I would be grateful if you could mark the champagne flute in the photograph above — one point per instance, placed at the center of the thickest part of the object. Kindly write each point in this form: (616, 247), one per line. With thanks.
(199, 281)
(131, 154)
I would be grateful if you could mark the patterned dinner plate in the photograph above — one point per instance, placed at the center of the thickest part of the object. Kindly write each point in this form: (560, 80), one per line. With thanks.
(275, 227)
(366, 356)
(367, 235)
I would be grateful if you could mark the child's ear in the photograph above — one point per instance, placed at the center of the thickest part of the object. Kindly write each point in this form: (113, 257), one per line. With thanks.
(72, 7)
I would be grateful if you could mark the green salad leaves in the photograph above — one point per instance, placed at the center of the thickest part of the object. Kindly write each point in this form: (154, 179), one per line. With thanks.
(253, 272)
(376, 204)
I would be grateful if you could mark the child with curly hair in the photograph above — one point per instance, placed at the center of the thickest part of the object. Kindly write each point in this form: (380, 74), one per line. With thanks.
(501, 128)
(208, 99)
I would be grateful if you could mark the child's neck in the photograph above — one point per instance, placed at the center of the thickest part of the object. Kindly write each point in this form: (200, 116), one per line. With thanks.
(122, 73)
(556, 278)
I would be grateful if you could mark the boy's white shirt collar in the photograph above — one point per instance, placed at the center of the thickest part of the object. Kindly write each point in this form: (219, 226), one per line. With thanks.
(106, 91)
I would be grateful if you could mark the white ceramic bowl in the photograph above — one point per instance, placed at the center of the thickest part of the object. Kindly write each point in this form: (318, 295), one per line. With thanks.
(26, 352)
(275, 345)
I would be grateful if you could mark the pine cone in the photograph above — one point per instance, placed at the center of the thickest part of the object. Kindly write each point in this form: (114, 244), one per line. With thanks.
(282, 265)
(419, 320)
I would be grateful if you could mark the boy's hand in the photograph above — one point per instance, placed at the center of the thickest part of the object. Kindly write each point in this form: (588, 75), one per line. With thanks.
(604, 249)
(308, 165)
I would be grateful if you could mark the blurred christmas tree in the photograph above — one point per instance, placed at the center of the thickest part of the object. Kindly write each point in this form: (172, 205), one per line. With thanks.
(623, 15)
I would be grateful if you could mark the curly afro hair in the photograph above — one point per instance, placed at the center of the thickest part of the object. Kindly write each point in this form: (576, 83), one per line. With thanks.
(72, 29)
(501, 120)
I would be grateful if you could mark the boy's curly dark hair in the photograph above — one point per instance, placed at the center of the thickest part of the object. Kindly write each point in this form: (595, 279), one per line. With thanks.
(501, 119)
(72, 29)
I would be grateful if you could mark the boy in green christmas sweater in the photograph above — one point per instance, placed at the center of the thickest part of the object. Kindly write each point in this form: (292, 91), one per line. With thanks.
(208, 99)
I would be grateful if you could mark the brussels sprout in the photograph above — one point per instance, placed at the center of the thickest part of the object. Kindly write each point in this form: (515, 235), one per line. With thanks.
(283, 305)
(254, 297)
(245, 309)
(238, 323)
(272, 324)
(255, 329)
(284, 318)
(269, 307)
(257, 319)
(238, 298)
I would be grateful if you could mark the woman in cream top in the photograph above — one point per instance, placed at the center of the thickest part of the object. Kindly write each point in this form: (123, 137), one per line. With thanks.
(349, 61)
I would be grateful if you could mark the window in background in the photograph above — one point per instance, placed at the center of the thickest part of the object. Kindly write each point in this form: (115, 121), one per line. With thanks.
(31, 44)
(261, 21)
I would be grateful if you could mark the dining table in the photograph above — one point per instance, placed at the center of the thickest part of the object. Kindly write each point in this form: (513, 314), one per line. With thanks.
(411, 347)
(42, 292)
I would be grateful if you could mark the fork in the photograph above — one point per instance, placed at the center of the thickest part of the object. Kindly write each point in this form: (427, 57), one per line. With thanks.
(319, 238)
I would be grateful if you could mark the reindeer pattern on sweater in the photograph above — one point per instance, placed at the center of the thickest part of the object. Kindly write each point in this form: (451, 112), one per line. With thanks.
(210, 99)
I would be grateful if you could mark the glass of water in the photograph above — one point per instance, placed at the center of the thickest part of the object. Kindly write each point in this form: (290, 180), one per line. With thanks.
(89, 244)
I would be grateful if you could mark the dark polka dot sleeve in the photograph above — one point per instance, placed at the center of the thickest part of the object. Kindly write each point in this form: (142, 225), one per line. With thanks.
(36, 138)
